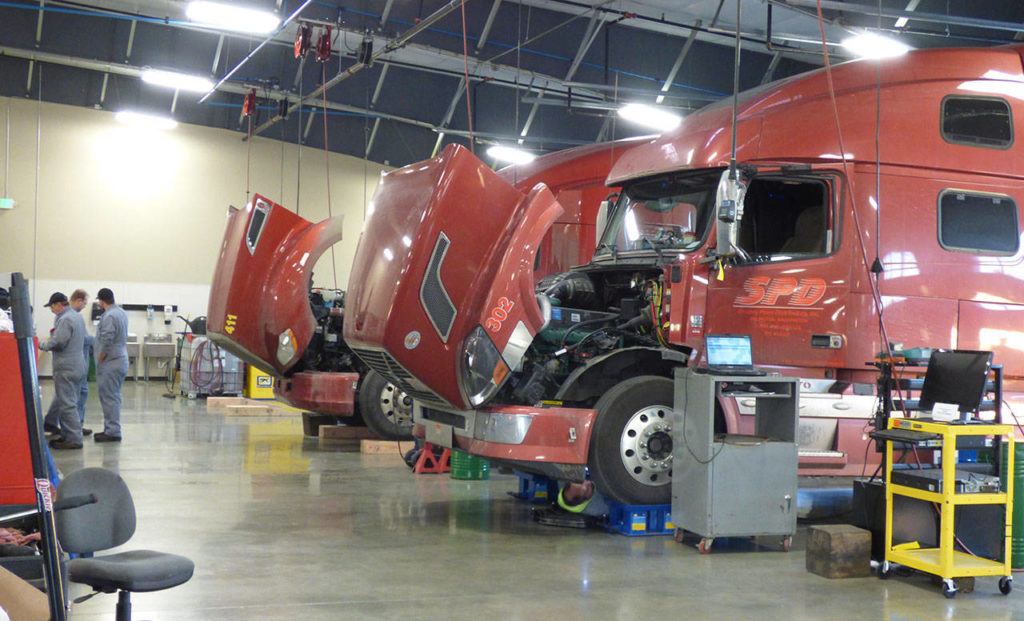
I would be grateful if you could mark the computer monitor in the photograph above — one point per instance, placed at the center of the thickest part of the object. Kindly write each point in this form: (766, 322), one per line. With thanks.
(728, 350)
(958, 377)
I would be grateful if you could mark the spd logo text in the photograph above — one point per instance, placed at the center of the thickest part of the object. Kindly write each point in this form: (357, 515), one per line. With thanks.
(782, 292)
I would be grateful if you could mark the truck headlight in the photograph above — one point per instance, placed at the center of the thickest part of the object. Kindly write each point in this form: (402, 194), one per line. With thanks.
(483, 370)
(286, 346)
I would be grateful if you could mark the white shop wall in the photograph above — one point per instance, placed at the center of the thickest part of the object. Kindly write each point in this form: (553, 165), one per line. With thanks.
(190, 299)
(99, 204)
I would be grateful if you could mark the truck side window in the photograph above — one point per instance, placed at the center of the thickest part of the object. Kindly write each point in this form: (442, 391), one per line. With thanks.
(977, 121)
(978, 223)
(786, 219)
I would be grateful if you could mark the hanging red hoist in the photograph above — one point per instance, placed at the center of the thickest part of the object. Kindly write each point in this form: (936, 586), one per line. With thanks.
(303, 40)
(323, 46)
(249, 105)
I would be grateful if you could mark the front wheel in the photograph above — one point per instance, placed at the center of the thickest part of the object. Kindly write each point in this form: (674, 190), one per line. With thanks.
(385, 408)
(1005, 585)
(631, 445)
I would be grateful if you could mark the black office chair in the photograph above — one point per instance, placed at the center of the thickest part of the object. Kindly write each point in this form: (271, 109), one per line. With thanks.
(105, 524)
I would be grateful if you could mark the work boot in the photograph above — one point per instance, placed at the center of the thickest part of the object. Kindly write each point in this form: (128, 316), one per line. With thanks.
(61, 443)
(102, 437)
(86, 431)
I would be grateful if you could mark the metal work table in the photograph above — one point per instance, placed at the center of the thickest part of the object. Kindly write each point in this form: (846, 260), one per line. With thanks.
(730, 485)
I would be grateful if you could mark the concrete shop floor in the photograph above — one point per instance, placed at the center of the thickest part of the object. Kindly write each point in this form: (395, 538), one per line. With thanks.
(284, 528)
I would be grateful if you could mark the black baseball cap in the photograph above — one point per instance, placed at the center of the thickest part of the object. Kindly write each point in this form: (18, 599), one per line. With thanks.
(55, 298)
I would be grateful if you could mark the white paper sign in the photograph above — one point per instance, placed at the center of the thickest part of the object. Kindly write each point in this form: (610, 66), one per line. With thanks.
(945, 412)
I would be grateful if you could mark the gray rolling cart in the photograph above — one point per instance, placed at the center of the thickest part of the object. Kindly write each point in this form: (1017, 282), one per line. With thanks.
(734, 485)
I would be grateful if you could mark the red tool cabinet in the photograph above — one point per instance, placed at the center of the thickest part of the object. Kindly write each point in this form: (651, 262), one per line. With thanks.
(16, 481)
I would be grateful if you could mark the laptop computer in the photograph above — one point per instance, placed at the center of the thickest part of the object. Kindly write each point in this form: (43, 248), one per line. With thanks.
(729, 354)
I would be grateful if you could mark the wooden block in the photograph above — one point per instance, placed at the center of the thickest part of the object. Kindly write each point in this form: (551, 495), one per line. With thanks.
(344, 432)
(383, 447)
(839, 551)
(249, 410)
(220, 403)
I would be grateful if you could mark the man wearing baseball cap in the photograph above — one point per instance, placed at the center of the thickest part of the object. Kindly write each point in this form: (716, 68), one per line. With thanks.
(66, 342)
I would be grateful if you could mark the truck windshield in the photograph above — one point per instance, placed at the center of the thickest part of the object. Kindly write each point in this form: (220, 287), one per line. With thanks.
(666, 213)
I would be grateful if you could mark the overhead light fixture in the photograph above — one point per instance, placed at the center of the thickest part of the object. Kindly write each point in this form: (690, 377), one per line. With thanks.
(510, 155)
(149, 121)
(653, 117)
(874, 46)
(175, 80)
(230, 17)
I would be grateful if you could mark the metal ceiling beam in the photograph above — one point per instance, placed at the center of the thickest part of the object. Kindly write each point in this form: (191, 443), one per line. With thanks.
(487, 136)
(479, 71)
(373, 104)
(449, 113)
(911, 6)
(216, 55)
(487, 25)
(39, 24)
(393, 45)
(131, 42)
(387, 11)
(935, 18)
(34, 56)
(259, 47)
(677, 65)
(593, 27)
(380, 85)
(772, 66)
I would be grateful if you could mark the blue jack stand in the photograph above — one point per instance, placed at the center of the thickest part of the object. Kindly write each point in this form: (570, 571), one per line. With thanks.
(639, 520)
(535, 488)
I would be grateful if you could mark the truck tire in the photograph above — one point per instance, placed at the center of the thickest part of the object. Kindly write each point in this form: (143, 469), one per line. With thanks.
(631, 445)
(385, 409)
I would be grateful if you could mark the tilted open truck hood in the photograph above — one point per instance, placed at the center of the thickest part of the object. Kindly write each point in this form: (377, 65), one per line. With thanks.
(260, 291)
(449, 246)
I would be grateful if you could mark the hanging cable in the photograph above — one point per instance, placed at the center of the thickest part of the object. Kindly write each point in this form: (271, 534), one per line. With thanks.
(735, 95)
(327, 171)
(465, 61)
(875, 293)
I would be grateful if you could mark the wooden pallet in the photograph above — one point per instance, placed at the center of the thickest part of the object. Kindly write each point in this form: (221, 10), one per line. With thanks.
(218, 404)
(383, 447)
(240, 406)
(344, 433)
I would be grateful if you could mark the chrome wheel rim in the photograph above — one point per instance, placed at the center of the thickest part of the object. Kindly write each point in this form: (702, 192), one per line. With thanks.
(396, 405)
(646, 446)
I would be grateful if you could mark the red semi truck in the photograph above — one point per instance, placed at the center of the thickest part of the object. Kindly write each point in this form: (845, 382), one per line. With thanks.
(264, 309)
(572, 378)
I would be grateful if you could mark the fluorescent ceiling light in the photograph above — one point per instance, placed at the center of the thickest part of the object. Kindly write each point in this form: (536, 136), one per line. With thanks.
(653, 117)
(901, 22)
(510, 154)
(138, 119)
(180, 81)
(230, 17)
(873, 46)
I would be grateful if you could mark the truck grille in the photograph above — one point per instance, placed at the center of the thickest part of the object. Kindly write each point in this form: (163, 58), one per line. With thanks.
(383, 363)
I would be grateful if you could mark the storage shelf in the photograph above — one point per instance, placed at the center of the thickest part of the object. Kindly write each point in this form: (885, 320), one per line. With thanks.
(927, 560)
(956, 499)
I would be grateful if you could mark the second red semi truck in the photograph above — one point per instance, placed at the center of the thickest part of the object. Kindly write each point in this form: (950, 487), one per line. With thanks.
(572, 377)
(264, 308)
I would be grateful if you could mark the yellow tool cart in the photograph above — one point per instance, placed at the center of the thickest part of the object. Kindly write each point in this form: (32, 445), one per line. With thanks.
(948, 490)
